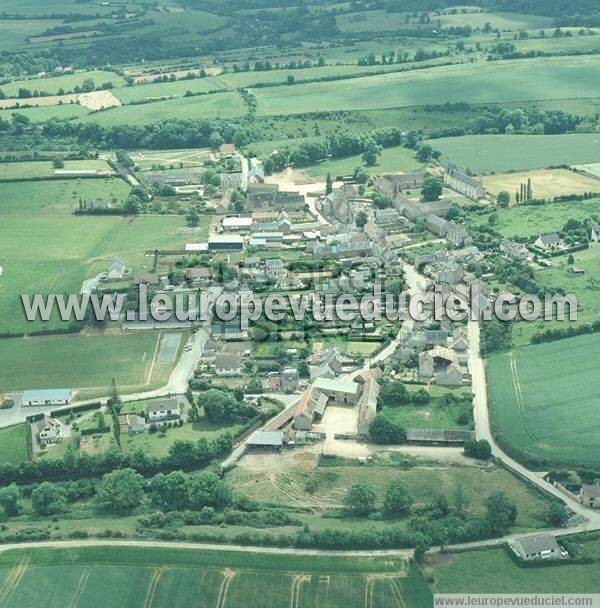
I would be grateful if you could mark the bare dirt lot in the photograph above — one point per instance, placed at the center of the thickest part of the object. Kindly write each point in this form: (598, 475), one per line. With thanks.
(546, 183)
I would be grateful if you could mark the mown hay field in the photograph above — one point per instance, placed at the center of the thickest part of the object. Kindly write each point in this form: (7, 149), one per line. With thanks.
(142, 577)
(545, 183)
(544, 400)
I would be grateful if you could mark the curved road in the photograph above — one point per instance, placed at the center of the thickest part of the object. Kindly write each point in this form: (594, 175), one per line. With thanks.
(483, 431)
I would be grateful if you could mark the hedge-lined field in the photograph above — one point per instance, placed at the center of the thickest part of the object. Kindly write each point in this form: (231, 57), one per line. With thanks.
(500, 82)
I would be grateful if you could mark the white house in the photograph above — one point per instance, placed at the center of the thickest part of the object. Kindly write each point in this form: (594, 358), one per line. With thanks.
(228, 364)
(51, 396)
(164, 409)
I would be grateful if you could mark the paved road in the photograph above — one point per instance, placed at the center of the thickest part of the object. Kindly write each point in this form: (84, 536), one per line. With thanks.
(483, 431)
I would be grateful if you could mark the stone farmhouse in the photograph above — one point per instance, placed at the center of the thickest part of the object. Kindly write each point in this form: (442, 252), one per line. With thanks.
(442, 366)
(471, 187)
(589, 495)
(391, 184)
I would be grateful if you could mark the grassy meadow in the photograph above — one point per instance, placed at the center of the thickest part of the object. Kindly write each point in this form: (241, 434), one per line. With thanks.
(532, 220)
(67, 82)
(287, 486)
(391, 159)
(44, 168)
(543, 400)
(82, 362)
(493, 571)
(141, 577)
(41, 213)
(13, 444)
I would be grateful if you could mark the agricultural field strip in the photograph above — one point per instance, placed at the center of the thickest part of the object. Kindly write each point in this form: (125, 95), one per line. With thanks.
(557, 409)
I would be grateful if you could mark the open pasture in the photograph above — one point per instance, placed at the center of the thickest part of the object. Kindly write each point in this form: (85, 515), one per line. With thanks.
(391, 159)
(44, 168)
(504, 81)
(533, 220)
(498, 153)
(545, 183)
(491, 570)
(142, 577)
(66, 82)
(223, 105)
(68, 111)
(544, 400)
(71, 248)
(82, 361)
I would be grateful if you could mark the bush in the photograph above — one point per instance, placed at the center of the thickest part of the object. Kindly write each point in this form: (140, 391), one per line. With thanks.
(48, 499)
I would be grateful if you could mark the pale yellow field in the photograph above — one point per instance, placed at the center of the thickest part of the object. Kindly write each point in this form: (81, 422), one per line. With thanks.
(546, 183)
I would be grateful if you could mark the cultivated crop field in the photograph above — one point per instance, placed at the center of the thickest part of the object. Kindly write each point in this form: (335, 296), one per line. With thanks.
(157, 577)
(514, 80)
(545, 183)
(544, 399)
(498, 153)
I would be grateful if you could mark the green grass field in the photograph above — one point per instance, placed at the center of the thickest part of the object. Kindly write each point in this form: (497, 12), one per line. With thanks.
(143, 577)
(493, 571)
(44, 168)
(499, 153)
(52, 84)
(382, 21)
(504, 81)
(80, 361)
(224, 105)
(391, 159)
(66, 111)
(544, 401)
(40, 212)
(533, 220)
(13, 444)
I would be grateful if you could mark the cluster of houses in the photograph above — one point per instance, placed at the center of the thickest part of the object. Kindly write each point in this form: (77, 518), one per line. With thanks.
(49, 430)
(443, 354)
